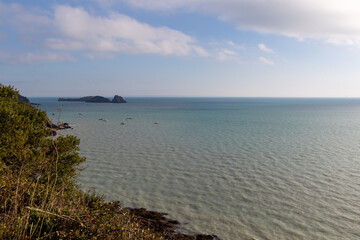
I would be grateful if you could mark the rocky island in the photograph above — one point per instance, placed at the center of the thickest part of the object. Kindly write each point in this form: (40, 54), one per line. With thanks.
(95, 99)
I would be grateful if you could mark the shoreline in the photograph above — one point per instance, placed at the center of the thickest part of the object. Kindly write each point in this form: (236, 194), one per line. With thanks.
(156, 221)
(169, 228)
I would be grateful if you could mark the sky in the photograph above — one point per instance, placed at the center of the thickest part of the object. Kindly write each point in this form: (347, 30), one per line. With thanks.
(181, 48)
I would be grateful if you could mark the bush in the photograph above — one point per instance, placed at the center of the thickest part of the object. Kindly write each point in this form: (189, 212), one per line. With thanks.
(39, 197)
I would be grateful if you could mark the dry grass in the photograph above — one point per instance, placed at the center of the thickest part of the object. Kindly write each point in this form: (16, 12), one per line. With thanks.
(40, 205)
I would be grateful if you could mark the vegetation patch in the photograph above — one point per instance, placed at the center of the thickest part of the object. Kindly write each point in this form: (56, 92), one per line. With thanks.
(39, 197)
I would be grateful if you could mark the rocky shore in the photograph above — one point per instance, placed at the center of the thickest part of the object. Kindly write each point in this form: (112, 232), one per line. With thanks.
(168, 228)
(54, 128)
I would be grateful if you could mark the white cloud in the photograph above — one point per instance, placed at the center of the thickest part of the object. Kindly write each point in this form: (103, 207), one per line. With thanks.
(75, 29)
(226, 54)
(333, 21)
(237, 46)
(266, 61)
(161, 4)
(264, 48)
(29, 58)
(117, 33)
(227, 44)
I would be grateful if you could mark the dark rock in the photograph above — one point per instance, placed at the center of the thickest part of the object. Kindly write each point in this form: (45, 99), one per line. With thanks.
(95, 99)
(52, 133)
(86, 99)
(167, 227)
(82, 99)
(70, 99)
(53, 127)
(23, 99)
(118, 99)
(63, 126)
(49, 124)
(98, 99)
(206, 237)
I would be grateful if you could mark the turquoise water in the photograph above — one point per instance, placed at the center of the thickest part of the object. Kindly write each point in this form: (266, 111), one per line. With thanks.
(240, 168)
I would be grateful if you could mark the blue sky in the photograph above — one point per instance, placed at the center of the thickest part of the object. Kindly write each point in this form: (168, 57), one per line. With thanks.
(219, 48)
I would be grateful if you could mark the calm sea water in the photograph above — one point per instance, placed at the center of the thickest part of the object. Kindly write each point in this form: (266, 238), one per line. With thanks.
(241, 168)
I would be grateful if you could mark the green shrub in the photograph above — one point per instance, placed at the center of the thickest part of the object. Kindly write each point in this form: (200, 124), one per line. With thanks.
(39, 197)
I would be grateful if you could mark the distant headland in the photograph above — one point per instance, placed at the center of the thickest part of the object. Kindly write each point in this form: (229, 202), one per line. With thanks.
(95, 99)
(23, 99)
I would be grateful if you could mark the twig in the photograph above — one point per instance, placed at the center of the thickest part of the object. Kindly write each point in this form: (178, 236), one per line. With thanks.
(52, 233)
(54, 214)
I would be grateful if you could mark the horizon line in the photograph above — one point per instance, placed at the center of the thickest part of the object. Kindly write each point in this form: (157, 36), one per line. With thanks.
(200, 97)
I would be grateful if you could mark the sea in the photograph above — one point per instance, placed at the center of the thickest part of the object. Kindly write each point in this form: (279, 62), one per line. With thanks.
(239, 168)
